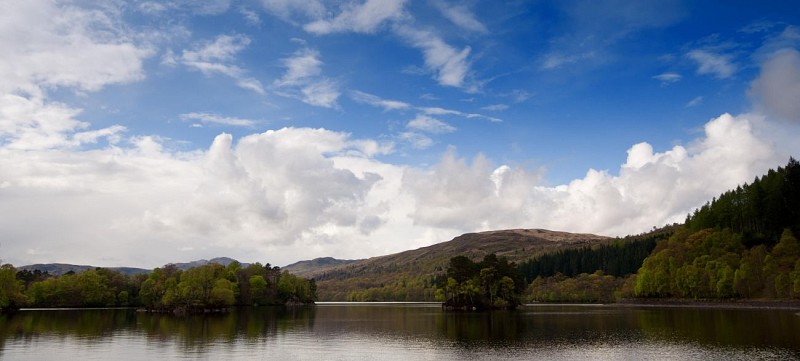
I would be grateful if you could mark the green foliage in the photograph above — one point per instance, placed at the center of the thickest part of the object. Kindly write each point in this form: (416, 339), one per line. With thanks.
(714, 264)
(213, 286)
(760, 211)
(595, 287)
(210, 286)
(621, 258)
(11, 296)
(723, 251)
(92, 288)
(491, 283)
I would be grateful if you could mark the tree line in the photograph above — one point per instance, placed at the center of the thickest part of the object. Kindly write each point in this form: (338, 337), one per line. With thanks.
(167, 288)
(620, 258)
(740, 245)
(758, 211)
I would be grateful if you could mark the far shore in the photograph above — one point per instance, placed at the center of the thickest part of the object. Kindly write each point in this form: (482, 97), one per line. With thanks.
(754, 304)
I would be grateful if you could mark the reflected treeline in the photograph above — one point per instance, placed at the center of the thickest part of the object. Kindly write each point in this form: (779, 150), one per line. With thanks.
(740, 327)
(191, 332)
(529, 327)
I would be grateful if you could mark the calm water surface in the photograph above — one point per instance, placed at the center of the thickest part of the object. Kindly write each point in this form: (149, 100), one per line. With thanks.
(405, 332)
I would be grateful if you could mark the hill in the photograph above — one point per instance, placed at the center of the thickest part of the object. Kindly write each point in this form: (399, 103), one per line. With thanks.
(412, 275)
(316, 266)
(58, 269)
(225, 261)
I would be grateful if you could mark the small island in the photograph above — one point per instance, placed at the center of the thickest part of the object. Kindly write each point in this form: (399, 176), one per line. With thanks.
(491, 284)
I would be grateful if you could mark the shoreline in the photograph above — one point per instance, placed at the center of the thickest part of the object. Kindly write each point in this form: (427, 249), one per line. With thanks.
(731, 304)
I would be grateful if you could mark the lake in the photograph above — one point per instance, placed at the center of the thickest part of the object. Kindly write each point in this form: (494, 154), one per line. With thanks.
(340, 331)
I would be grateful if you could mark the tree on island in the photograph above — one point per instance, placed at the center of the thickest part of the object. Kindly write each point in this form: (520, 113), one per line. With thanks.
(493, 283)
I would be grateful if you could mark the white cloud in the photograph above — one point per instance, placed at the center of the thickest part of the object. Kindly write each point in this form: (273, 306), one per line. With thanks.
(288, 9)
(291, 193)
(250, 16)
(449, 65)
(364, 17)
(416, 140)
(303, 80)
(651, 188)
(460, 15)
(431, 125)
(668, 78)
(68, 47)
(443, 111)
(495, 107)
(777, 88)
(206, 118)
(710, 62)
(215, 57)
(376, 101)
(695, 102)
(557, 60)
(303, 65)
(206, 7)
(278, 189)
(323, 93)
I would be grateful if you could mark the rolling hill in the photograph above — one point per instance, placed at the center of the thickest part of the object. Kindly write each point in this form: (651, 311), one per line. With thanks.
(411, 275)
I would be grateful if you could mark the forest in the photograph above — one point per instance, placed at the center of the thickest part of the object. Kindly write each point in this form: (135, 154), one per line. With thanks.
(741, 245)
(165, 289)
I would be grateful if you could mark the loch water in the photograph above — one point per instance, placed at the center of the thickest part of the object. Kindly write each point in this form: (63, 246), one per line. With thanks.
(402, 331)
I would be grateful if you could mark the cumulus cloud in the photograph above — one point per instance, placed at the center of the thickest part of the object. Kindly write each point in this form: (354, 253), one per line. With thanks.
(278, 189)
(713, 63)
(215, 57)
(777, 88)
(303, 80)
(650, 189)
(275, 195)
(68, 47)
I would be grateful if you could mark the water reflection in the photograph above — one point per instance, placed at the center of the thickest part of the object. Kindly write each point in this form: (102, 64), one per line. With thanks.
(357, 331)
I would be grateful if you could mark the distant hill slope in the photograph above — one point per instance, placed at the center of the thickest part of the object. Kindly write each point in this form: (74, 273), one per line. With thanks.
(58, 269)
(411, 275)
(225, 261)
(316, 266)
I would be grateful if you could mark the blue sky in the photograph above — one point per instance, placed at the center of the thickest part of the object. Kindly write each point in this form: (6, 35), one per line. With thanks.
(279, 130)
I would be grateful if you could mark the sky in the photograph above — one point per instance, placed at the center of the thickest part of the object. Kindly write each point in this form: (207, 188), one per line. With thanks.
(138, 133)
